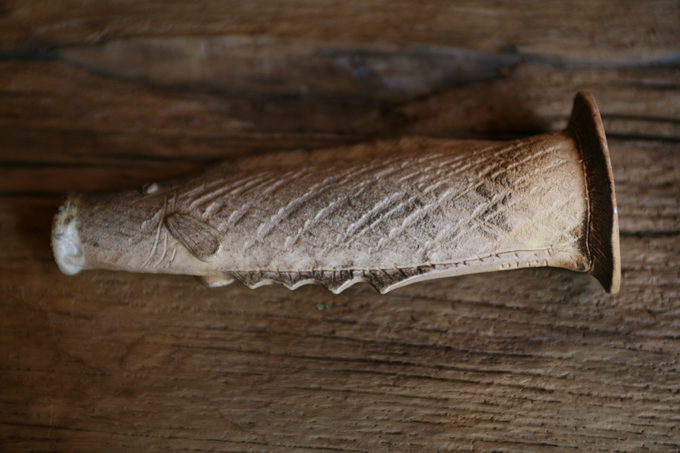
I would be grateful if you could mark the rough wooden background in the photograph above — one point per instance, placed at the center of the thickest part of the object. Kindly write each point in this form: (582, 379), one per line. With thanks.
(101, 95)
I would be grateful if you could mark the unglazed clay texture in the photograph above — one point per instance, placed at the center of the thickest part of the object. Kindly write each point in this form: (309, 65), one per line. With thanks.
(389, 213)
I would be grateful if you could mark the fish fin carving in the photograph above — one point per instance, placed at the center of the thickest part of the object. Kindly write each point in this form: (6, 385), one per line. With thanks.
(201, 239)
(383, 280)
(214, 281)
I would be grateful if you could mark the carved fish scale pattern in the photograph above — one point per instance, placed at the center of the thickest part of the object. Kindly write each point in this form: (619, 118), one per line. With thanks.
(387, 219)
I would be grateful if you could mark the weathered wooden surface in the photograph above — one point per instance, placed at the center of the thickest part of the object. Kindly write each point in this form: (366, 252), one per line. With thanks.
(97, 96)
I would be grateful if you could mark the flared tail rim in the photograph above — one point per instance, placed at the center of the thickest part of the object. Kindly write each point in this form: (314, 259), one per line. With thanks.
(603, 219)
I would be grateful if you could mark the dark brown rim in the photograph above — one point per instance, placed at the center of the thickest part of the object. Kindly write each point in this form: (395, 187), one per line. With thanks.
(603, 220)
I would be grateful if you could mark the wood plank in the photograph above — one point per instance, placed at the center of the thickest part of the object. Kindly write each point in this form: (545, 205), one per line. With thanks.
(633, 102)
(612, 30)
(94, 118)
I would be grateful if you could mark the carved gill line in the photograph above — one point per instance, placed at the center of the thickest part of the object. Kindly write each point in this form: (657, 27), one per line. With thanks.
(225, 178)
(438, 182)
(175, 195)
(385, 215)
(358, 187)
(458, 195)
(489, 179)
(502, 192)
(538, 219)
(456, 229)
(358, 240)
(158, 232)
(292, 206)
(165, 249)
(494, 209)
(452, 173)
(358, 169)
(491, 148)
(443, 197)
(194, 195)
(390, 170)
(391, 212)
(238, 214)
(366, 217)
(235, 187)
(471, 218)
(279, 180)
(474, 164)
(559, 206)
(412, 162)
(408, 176)
(317, 189)
(354, 190)
(552, 166)
(172, 256)
(325, 212)
(416, 215)
(535, 154)
(337, 233)
(218, 202)
(265, 180)
(529, 174)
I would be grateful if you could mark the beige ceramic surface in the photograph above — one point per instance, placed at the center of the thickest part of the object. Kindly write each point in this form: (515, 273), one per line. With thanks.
(389, 213)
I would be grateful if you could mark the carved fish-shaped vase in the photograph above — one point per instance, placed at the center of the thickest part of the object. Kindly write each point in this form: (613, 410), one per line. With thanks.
(389, 213)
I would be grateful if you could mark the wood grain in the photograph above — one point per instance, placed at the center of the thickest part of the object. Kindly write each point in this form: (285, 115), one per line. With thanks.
(534, 360)
(588, 31)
